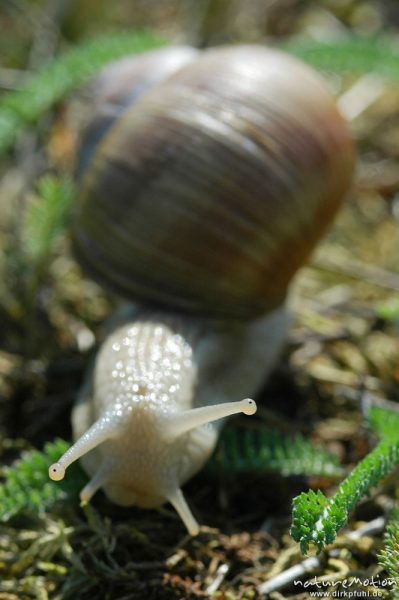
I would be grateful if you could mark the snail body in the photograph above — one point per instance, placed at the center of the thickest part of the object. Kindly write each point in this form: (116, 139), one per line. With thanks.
(154, 379)
(200, 201)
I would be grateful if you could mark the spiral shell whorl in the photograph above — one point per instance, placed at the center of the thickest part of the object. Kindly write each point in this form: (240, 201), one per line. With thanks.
(119, 86)
(211, 191)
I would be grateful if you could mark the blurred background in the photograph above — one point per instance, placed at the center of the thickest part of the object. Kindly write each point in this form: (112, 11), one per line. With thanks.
(343, 342)
(31, 31)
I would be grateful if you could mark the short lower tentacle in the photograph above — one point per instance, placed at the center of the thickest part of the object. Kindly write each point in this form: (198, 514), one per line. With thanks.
(96, 482)
(178, 501)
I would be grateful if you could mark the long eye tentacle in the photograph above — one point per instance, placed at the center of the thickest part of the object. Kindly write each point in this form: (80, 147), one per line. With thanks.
(107, 427)
(195, 417)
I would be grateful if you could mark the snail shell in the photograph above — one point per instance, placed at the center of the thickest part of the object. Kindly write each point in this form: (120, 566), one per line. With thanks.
(119, 86)
(210, 192)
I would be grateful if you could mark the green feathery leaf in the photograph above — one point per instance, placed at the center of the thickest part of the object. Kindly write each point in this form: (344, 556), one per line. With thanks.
(388, 557)
(46, 216)
(355, 55)
(27, 486)
(307, 512)
(65, 73)
(333, 514)
(316, 519)
(254, 450)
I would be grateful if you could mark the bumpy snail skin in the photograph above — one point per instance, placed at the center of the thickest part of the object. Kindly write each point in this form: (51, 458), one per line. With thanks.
(145, 415)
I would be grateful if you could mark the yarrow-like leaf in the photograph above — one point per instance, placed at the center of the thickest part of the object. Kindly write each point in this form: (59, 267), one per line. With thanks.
(316, 519)
(388, 557)
(46, 216)
(353, 55)
(259, 450)
(27, 487)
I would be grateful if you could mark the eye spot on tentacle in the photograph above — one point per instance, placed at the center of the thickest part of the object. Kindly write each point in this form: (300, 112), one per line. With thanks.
(56, 472)
(249, 406)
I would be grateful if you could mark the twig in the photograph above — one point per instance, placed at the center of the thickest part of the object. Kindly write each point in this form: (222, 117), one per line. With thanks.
(206, 19)
(331, 374)
(358, 270)
(47, 34)
(309, 565)
(367, 90)
(313, 563)
(368, 400)
(220, 575)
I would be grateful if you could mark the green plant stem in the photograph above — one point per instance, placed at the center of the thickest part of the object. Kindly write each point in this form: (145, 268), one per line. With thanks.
(350, 55)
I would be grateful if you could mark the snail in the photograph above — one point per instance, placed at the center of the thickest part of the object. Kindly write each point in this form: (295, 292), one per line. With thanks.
(206, 179)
